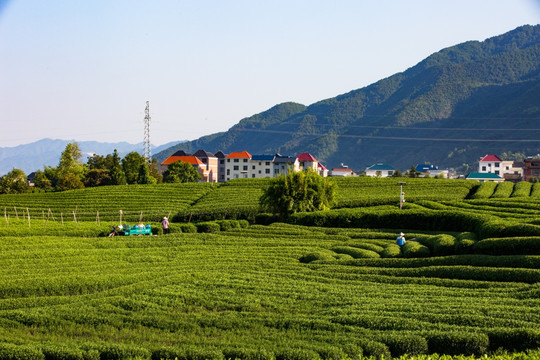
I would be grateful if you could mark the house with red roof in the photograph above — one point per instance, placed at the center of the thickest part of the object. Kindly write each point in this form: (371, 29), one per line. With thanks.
(342, 172)
(508, 170)
(237, 165)
(190, 159)
(308, 161)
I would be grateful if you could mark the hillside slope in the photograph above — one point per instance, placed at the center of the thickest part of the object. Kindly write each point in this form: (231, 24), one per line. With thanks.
(453, 107)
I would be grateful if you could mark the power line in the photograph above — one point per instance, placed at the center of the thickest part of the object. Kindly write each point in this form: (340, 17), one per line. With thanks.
(393, 137)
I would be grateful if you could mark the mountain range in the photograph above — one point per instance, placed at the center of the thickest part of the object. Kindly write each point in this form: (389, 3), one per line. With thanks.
(450, 109)
(34, 156)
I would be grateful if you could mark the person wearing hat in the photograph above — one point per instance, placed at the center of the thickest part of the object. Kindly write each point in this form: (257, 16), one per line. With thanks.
(401, 239)
(165, 225)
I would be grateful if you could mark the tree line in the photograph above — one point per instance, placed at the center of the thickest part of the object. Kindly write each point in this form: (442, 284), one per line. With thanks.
(72, 173)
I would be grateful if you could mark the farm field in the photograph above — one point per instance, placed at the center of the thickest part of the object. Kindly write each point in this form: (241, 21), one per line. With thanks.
(327, 285)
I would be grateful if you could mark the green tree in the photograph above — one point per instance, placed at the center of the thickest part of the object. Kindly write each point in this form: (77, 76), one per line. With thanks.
(69, 181)
(41, 181)
(14, 182)
(99, 162)
(97, 177)
(131, 164)
(144, 175)
(397, 173)
(181, 172)
(154, 171)
(116, 172)
(298, 191)
(412, 173)
(70, 161)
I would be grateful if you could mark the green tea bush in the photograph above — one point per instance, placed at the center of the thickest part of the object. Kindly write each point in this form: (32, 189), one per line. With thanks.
(522, 189)
(503, 190)
(391, 251)
(188, 228)
(62, 352)
(20, 352)
(457, 343)
(535, 190)
(355, 252)
(401, 343)
(243, 223)
(296, 353)
(367, 246)
(440, 245)
(318, 255)
(413, 249)
(508, 246)
(485, 190)
(248, 354)
(513, 339)
(375, 349)
(208, 227)
(226, 225)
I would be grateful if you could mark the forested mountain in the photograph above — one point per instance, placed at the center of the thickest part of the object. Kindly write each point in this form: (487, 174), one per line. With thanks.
(450, 109)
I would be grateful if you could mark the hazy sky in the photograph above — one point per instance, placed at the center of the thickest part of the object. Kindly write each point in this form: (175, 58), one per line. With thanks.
(83, 70)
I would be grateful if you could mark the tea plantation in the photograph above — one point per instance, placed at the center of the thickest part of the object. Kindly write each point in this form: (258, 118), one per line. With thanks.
(327, 285)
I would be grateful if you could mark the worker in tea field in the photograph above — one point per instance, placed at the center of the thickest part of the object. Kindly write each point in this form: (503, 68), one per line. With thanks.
(401, 239)
(165, 225)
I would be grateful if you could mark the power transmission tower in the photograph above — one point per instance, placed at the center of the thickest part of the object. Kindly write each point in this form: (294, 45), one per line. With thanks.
(147, 153)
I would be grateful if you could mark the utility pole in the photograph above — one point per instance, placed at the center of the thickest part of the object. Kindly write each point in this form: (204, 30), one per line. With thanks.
(147, 153)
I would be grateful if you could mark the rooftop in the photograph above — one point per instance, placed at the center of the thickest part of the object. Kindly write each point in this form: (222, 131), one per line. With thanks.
(491, 158)
(477, 175)
(239, 155)
(306, 157)
(193, 160)
(379, 167)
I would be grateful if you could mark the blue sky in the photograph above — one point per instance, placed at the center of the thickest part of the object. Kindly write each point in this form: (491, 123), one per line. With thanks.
(83, 70)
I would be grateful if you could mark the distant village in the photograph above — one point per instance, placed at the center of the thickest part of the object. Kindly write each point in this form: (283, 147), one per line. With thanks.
(221, 167)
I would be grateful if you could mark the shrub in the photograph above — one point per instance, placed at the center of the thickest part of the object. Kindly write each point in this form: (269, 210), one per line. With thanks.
(188, 228)
(367, 246)
(123, 351)
(503, 190)
(413, 249)
(400, 344)
(522, 189)
(457, 343)
(374, 348)
(485, 190)
(20, 352)
(513, 339)
(509, 246)
(207, 227)
(248, 354)
(296, 354)
(355, 252)
(243, 223)
(226, 225)
(391, 251)
(157, 230)
(319, 255)
(58, 352)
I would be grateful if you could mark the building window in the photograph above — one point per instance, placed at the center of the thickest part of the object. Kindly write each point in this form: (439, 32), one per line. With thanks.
(235, 167)
(252, 175)
(260, 163)
(507, 168)
(267, 171)
(259, 171)
(236, 160)
(228, 160)
(235, 176)
(390, 173)
(535, 172)
(253, 167)
(497, 164)
(483, 168)
(245, 167)
(228, 171)
(222, 162)
(245, 176)
(276, 171)
(497, 172)
(267, 163)
(245, 160)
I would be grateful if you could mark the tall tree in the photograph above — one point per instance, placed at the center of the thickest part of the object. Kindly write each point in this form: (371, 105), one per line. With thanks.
(144, 175)
(181, 172)
(116, 172)
(70, 161)
(154, 171)
(131, 164)
(14, 182)
(298, 191)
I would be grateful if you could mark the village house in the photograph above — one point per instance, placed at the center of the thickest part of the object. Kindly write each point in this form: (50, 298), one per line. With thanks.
(483, 177)
(532, 169)
(508, 170)
(342, 172)
(262, 166)
(380, 170)
(190, 159)
(221, 165)
(431, 170)
(211, 162)
(237, 165)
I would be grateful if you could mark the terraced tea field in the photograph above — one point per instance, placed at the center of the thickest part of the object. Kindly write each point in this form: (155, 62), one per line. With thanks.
(332, 285)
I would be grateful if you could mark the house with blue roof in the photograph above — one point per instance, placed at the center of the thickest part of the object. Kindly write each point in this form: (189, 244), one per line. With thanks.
(380, 170)
(431, 170)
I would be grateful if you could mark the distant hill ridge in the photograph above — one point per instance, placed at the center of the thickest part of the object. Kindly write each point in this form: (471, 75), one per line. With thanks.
(450, 109)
